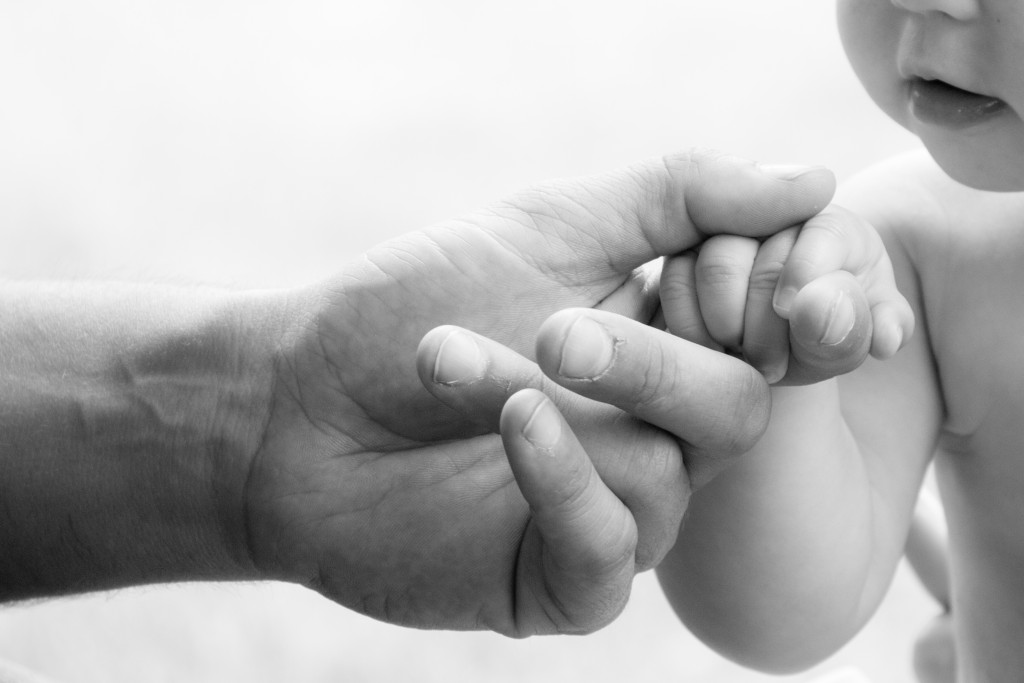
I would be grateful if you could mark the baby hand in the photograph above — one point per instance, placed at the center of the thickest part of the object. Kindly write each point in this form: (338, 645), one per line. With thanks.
(804, 305)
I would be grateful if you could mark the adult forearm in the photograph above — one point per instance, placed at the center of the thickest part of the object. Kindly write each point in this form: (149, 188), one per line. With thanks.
(128, 415)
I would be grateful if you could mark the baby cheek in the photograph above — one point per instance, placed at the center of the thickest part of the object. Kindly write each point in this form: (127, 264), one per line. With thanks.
(1012, 86)
(870, 32)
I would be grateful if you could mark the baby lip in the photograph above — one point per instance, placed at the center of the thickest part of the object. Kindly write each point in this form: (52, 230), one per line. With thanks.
(938, 102)
(938, 84)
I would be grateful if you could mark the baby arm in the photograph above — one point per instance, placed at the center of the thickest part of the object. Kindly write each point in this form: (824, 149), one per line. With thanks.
(784, 556)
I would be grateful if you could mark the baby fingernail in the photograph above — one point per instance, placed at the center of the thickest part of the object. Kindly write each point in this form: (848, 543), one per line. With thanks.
(459, 360)
(774, 374)
(895, 337)
(544, 428)
(784, 300)
(898, 339)
(587, 352)
(841, 318)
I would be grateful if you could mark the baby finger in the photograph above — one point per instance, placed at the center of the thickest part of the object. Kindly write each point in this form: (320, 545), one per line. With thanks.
(765, 333)
(830, 328)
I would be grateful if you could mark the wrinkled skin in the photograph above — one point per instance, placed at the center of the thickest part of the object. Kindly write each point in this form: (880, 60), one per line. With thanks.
(372, 491)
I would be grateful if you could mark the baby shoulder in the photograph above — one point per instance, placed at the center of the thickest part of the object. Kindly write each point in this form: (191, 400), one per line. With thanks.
(903, 193)
(917, 207)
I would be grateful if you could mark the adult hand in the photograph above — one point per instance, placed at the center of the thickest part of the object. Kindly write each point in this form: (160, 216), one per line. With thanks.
(371, 491)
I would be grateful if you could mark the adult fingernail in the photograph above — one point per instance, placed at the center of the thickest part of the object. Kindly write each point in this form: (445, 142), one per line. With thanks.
(544, 428)
(841, 318)
(459, 360)
(788, 171)
(588, 350)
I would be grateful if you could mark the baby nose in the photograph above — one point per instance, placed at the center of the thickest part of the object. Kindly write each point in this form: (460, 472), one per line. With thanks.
(962, 10)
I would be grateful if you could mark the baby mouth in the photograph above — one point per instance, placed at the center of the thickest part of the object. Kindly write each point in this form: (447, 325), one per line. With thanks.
(939, 103)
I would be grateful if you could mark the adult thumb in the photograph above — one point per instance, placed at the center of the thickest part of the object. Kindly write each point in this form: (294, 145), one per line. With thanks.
(623, 219)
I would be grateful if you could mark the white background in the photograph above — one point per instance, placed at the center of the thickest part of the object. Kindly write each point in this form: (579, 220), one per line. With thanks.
(265, 143)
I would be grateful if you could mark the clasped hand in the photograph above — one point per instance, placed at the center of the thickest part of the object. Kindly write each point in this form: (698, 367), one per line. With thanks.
(540, 446)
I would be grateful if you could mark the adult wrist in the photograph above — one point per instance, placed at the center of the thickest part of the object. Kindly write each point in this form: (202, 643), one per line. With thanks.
(129, 416)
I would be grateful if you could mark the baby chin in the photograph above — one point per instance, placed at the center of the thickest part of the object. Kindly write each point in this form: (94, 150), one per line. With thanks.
(978, 139)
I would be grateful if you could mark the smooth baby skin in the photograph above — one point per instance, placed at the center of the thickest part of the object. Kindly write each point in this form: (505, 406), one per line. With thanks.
(966, 247)
(786, 555)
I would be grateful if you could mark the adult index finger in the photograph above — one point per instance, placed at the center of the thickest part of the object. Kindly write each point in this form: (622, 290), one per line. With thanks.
(717, 405)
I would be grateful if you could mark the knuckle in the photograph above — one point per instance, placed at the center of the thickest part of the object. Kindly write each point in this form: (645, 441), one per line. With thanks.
(660, 484)
(650, 554)
(663, 461)
(692, 330)
(833, 222)
(675, 176)
(616, 555)
(681, 323)
(718, 269)
(801, 268)
(840, 235)
(657, 540)
(652, 551)
(575, 493)
(759, 350)
(696, 175)
(745, 420)
(764, 276)
(679, 302)
(677, 286)
(656, 185)
(837, 221)
(657, 384)
(657, 466)
(690, 162)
